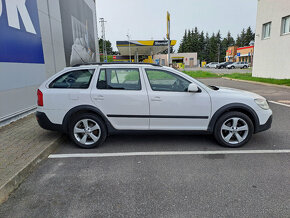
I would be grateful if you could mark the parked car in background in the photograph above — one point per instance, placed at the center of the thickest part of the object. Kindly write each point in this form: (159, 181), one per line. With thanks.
(211, 65)
(90, 102)
(223, 65)
(240, 65)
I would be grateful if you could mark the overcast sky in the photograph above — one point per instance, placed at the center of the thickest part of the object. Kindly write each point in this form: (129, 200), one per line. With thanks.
(146, 19)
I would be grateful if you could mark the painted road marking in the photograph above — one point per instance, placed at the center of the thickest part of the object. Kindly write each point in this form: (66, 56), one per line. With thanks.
(274, 102)
(166, 153)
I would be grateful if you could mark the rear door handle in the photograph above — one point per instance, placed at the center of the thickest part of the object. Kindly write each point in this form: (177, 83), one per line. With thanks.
(99, 98)
(156, 98)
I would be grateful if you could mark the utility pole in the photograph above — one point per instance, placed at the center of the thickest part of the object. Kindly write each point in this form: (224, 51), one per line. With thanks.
(129, 47)
(102, 21)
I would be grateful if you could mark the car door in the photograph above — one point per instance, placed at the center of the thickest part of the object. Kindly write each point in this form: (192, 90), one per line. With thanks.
(172, 107)
(121, 95)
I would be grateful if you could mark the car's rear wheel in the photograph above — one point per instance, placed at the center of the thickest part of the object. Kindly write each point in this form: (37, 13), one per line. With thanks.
(233, 129)
(87, 130)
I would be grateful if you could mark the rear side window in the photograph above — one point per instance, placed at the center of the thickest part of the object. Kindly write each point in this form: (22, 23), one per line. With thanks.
(78, 79)
(124, 79)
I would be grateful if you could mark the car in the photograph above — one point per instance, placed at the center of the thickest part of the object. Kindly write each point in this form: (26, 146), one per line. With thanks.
(223, 65)
(241, 65)
(90, 102)
(211, 65)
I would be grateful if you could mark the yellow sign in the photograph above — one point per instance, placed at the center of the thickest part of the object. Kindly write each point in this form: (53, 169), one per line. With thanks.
(168, 25)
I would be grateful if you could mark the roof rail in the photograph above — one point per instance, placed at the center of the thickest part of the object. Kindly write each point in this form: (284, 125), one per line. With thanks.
(119, 62)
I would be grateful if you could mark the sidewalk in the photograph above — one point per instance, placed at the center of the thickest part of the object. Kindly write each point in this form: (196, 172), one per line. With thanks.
(23, 144)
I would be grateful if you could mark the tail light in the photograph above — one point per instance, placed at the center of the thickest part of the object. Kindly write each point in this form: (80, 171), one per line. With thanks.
(39, 98)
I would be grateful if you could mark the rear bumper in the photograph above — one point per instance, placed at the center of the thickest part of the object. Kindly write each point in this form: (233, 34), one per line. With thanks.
(265, 126)
(45, 123)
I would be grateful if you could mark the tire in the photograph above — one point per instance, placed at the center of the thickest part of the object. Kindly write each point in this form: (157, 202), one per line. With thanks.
(230, 135)
(222, 67)
(232, 67)
(87, 137)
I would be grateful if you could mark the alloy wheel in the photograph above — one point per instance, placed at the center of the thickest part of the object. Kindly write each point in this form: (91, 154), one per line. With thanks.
(87, 131)
(234, 130)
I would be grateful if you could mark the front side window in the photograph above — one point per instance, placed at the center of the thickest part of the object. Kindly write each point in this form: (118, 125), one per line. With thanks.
(286, 25)
(124, 79)
(161, 80)
(266, 30)
(78, 79)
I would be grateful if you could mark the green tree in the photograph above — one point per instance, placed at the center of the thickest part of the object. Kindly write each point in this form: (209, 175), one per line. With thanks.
(226, 42)
(243, 37)
(207, 48)
(202, 47)
(194, 41)
(108, 47)
(239, 41)
(183, 43)
(219, 46)
(249, 36)
(213, 48)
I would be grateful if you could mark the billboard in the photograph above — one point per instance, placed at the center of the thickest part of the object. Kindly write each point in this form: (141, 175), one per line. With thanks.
(78, 32)
(20, 38)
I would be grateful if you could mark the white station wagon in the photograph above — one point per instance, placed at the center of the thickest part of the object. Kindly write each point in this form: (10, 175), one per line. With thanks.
(90, 102)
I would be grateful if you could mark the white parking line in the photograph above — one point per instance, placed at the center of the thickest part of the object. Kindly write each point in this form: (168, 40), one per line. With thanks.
(274, 102)
(166, 153)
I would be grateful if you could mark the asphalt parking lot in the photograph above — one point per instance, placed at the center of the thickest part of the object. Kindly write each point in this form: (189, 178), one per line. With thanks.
(202, 180)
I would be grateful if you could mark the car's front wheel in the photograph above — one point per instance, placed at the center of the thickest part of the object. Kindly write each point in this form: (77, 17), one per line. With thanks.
(233, 129)
(87, 130)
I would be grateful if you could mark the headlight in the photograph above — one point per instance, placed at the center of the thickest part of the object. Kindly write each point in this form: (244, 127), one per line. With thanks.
(262, 103)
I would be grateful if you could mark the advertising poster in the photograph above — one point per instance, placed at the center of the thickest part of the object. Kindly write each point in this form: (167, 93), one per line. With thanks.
(20, 37)
(78, 32)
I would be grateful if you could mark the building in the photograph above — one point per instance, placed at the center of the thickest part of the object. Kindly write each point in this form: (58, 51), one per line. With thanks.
(231, 54)
(39, 38)
(150, 51)
(178, 60)
(141, 50)
(272, 43)
(242, 54)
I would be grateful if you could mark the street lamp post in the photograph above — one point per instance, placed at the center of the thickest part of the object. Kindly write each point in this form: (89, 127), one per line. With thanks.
(129, 47)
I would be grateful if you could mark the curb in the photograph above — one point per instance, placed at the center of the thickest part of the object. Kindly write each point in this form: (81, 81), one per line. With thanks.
(19, 177)
(260, 83)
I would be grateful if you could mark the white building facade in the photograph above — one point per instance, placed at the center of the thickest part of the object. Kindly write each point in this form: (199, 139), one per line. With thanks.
(272, 43)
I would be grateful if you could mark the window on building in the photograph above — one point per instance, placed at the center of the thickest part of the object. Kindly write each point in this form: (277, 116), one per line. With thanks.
(266, 30)
(78, 79)
(122, 79)
(285, 25)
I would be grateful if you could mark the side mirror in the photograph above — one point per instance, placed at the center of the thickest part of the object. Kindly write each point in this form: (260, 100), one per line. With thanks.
(193, 88)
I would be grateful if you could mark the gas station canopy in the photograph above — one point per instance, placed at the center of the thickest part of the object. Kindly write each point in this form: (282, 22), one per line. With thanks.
(143, 47)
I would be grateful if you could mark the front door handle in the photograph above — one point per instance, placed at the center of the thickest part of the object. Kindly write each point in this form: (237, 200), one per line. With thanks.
(156, 98)
(99, 98)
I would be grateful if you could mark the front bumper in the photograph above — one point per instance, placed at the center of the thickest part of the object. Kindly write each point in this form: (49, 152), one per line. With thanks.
(265, 126)
(45, 123)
